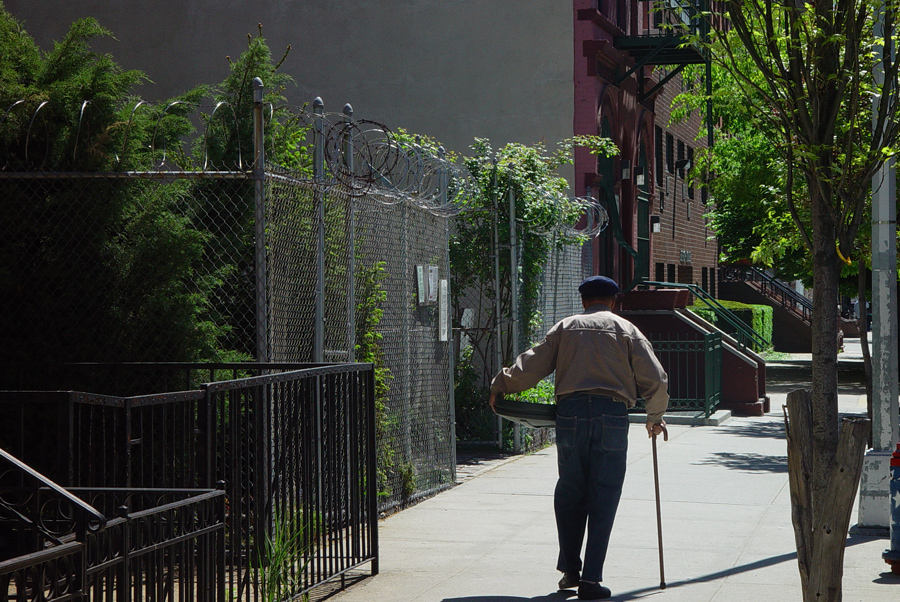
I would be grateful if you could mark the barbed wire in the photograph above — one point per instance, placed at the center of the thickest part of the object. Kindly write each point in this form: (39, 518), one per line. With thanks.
(363, 157)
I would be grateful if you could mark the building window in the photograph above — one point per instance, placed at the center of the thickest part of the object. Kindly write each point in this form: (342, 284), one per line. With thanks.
(670, 153)
(658, 149)
(685, 274)
(681, 158)
(660, 272)
(705, 279)
(690, 158)
(670, 272)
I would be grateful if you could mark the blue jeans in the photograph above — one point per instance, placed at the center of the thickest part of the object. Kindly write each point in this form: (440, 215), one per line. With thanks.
(592, 443)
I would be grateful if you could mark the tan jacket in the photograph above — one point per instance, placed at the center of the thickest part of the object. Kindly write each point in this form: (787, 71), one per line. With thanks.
(597, 352)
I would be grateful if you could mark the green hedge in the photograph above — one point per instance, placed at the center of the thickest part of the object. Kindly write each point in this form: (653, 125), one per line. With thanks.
(757, 317)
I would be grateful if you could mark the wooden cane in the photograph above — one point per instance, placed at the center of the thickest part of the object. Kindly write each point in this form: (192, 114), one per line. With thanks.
(662, 571)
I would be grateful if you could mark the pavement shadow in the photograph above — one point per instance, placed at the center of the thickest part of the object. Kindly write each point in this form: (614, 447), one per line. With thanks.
(888, 577)
(560, 596)
(787, 385)
(638, 594)
(759, 430)
(753, 463)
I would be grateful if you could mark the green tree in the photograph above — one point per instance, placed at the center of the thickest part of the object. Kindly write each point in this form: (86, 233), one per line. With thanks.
(91, 270)
(226, 208)
(807, 72)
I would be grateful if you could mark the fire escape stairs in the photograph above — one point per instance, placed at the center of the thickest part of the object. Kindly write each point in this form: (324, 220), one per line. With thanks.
(670, 42)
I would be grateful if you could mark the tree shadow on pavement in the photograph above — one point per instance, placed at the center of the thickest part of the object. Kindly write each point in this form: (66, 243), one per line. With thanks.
(747, 462)
(844, 388)
(751, 566)
(639, 594)
(760, 430)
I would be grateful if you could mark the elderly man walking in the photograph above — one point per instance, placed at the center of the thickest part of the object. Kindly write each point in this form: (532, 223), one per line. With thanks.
(603, 365)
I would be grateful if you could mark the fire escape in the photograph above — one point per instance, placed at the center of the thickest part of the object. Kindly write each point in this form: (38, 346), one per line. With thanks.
(671, 36)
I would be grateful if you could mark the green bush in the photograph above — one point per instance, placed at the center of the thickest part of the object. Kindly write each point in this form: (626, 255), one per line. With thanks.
(757, 317)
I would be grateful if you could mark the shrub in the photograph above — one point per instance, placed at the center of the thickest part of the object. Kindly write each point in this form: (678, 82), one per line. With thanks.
(757, 317)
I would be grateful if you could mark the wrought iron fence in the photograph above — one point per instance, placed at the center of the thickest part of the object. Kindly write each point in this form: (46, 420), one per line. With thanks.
(295, 449)
(65, 549)
(693, 363)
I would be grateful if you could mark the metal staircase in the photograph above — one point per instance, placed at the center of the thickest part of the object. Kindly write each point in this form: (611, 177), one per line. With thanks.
(772, 288)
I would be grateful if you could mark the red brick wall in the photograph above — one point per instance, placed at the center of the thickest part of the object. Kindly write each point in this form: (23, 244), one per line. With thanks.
(683, 246)
(684, 239)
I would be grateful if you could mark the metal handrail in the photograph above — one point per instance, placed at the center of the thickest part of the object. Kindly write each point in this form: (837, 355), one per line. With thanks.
(789, 298)
(783, 288)
(773, 288)
(90, 519)
(745, 333)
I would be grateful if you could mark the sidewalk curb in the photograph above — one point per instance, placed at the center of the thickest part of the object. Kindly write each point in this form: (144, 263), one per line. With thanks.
(718, 417)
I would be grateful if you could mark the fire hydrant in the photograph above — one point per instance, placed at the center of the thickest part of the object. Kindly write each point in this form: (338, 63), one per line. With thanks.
(892, 556)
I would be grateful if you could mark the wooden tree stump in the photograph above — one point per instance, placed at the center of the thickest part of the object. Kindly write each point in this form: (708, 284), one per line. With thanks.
(821, 521)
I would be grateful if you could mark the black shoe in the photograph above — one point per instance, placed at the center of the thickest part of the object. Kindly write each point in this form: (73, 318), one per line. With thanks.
(569, 580)
(592, 591)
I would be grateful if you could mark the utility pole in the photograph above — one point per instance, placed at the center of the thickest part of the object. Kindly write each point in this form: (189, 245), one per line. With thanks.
(874, 500)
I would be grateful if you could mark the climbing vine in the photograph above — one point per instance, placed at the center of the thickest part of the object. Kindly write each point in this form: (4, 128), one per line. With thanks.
(544, 214)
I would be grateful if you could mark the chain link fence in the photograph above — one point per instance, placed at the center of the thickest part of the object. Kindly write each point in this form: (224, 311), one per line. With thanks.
(345, 261)
(495, 320)
(171, 264)
(376, 308)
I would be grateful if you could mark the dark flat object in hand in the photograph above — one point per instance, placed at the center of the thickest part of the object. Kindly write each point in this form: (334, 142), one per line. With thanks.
(534, 415)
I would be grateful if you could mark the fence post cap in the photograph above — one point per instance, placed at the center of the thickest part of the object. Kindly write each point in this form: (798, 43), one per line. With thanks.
(257, 90)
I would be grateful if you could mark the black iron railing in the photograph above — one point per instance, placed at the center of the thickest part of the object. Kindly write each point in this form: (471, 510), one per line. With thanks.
(693, 363)
(174, 551)
(295, 450)
(771, 287)
(745, 335)
(36, 512)
(72, 552)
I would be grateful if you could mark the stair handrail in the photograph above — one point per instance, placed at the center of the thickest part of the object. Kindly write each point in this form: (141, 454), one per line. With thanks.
(88, 518)
(745, 333)
(786, 291)
(755, 274)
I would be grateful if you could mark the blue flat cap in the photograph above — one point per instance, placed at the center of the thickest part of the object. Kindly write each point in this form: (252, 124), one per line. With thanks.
(596, 287)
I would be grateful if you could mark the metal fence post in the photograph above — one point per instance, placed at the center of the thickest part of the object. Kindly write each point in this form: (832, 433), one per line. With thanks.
(495, 213)
(514, 298)
(259, 197)
(319, 175)
(712, 353)
(451, 340)
(351, 227)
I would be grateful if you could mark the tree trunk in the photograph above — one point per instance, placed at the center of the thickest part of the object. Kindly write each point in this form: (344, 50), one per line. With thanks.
(824, 461)
(821, 520)
(826, 273)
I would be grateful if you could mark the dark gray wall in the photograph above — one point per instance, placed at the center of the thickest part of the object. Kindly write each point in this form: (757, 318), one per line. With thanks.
(452, 69)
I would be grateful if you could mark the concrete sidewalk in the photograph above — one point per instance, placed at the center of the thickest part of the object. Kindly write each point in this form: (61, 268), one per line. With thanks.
(726, 527)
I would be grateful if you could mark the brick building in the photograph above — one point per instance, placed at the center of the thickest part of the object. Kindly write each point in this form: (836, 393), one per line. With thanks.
(627, 71)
